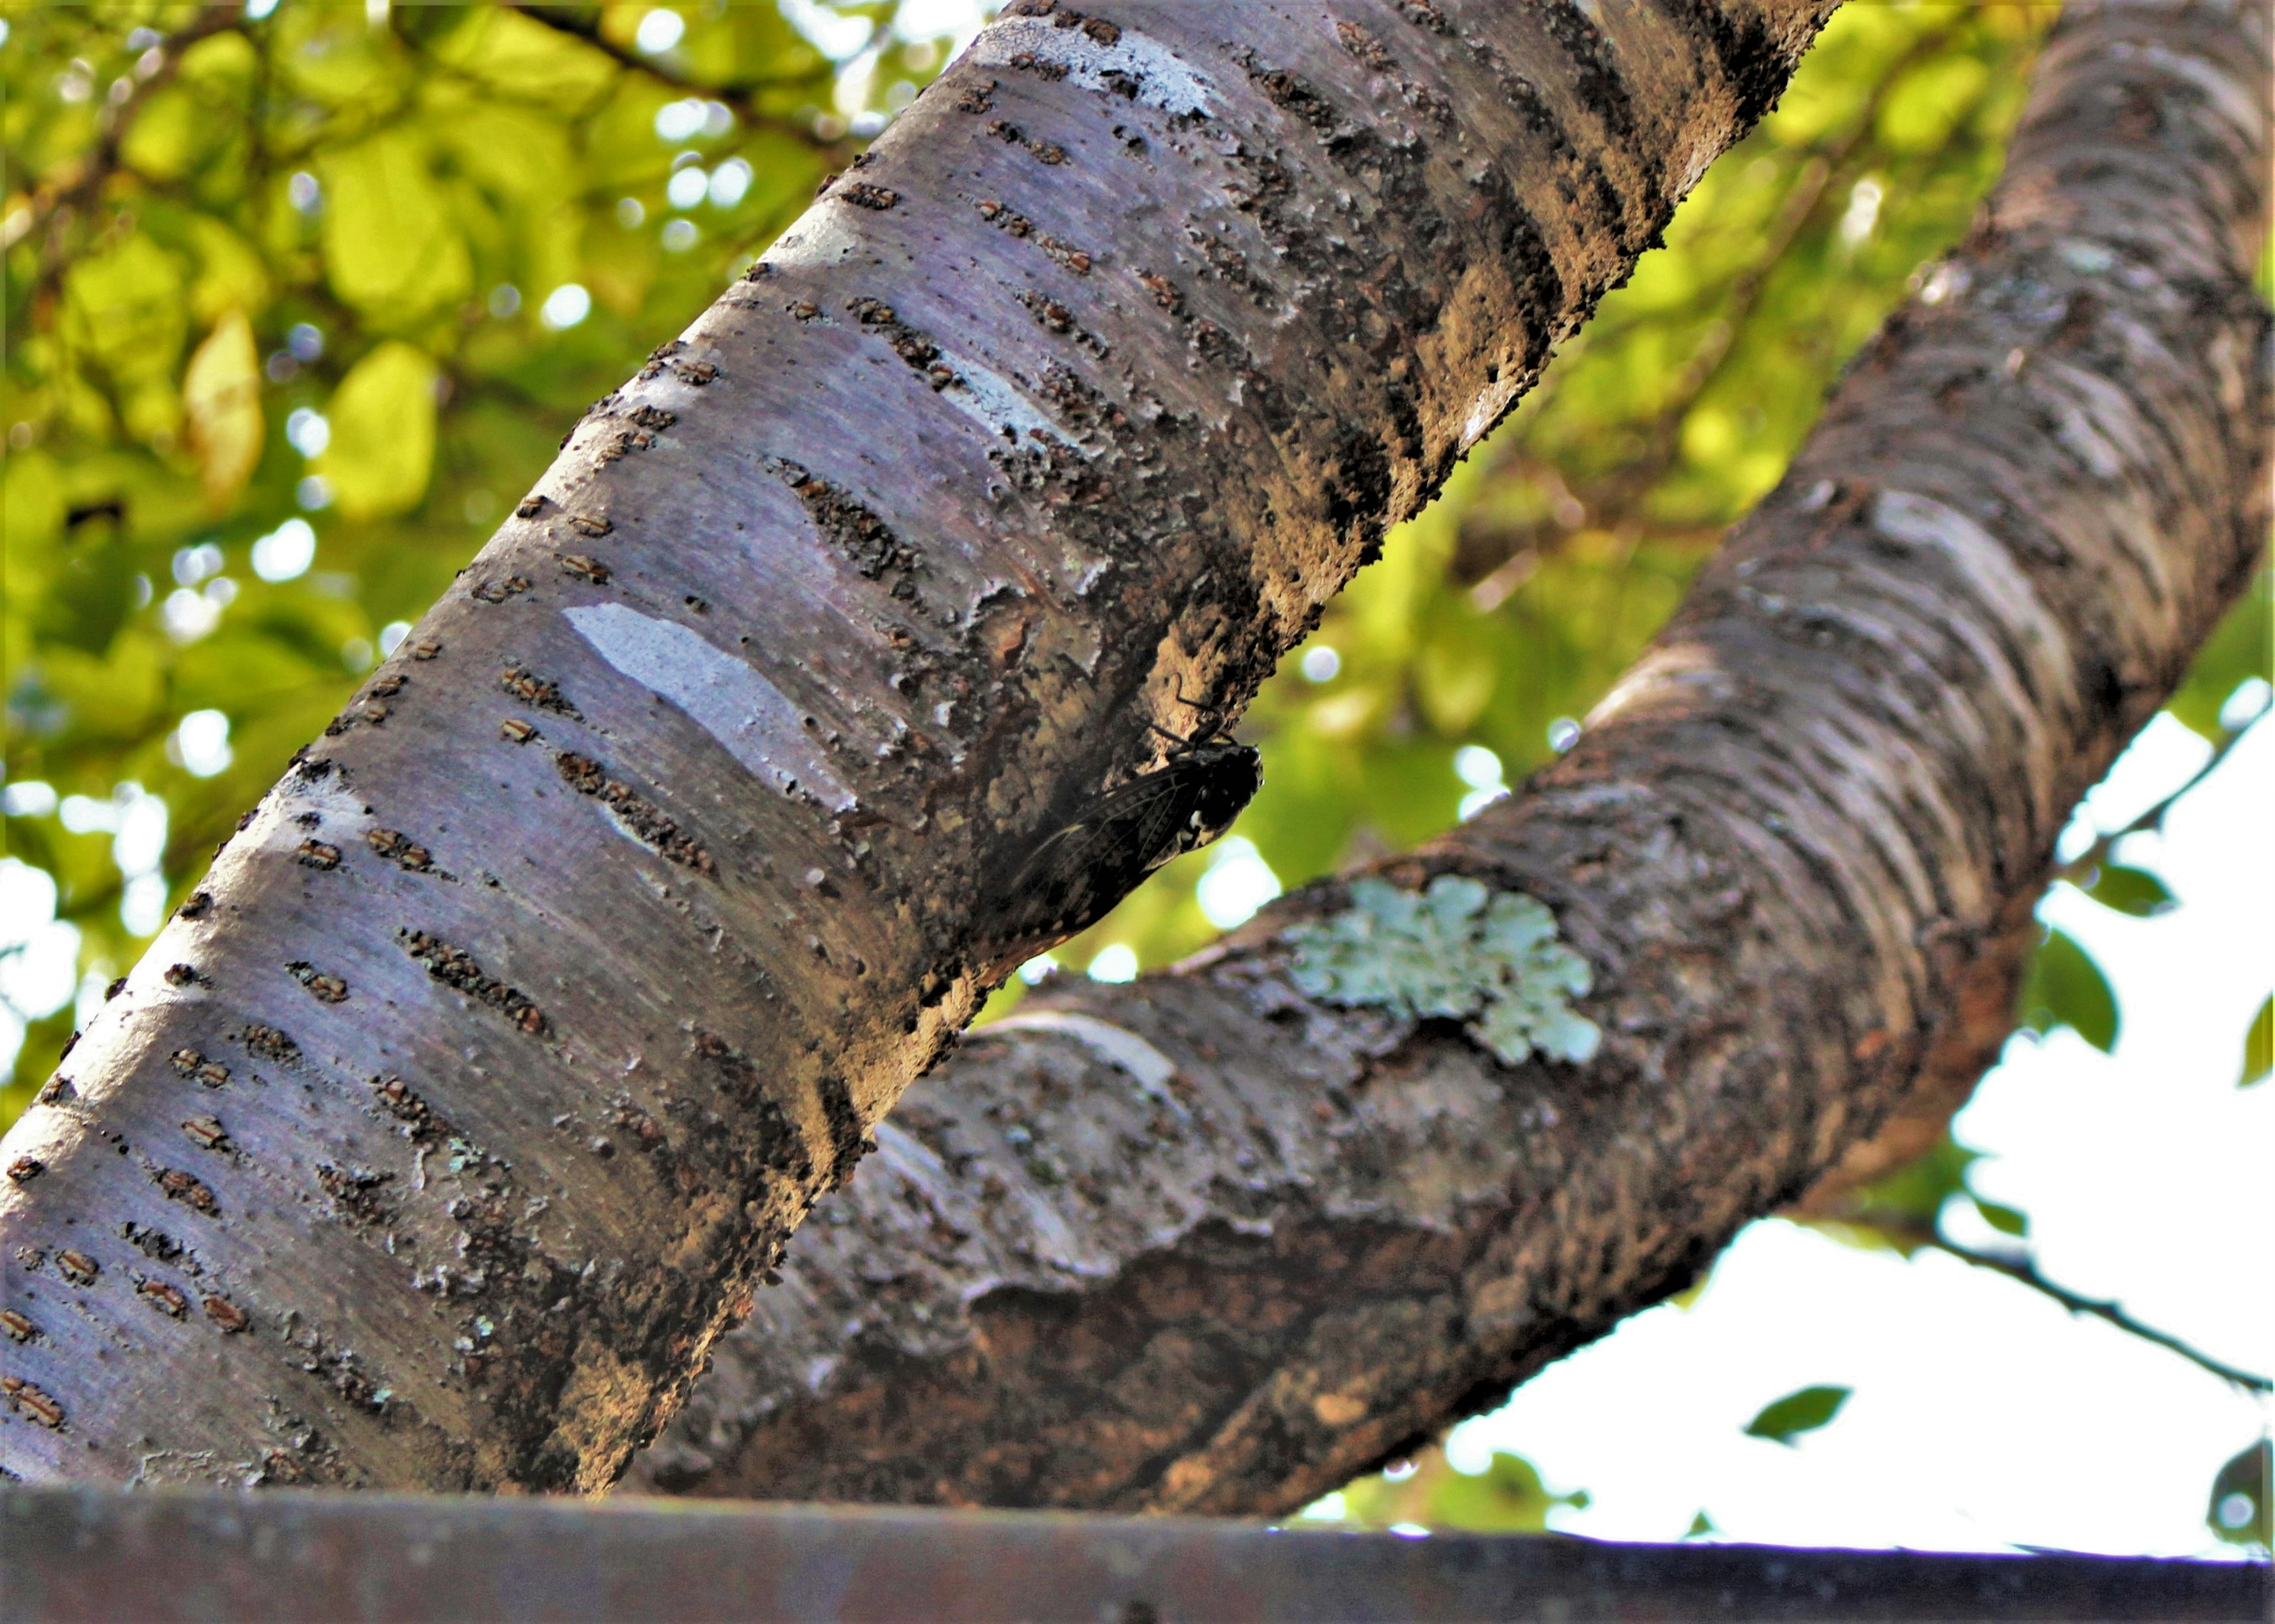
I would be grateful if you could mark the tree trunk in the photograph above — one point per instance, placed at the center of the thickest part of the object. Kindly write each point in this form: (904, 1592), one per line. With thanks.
(1220, 1239)
(467, 1101)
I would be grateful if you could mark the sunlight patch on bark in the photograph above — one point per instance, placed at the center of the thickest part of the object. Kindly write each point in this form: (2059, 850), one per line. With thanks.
(745, 713)
(1163, 79)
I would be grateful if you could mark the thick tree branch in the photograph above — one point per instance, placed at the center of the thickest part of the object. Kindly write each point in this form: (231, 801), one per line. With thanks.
(1612, 500)
(489, 1070)
(1213, 1242)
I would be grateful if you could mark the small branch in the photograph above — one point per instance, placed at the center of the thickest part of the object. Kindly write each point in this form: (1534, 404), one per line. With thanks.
(2079, 867)
(2018, 1267)
(743, 94)
(2024, 1270)
(53, 202)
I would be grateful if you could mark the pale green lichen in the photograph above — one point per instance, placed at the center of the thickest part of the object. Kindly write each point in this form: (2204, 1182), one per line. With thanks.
(1456, 951)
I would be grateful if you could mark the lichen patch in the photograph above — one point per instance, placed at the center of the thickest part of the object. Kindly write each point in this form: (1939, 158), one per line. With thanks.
(1456, 951)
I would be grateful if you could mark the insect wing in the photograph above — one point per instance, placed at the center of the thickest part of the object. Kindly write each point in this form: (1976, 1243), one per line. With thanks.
(1078, 874)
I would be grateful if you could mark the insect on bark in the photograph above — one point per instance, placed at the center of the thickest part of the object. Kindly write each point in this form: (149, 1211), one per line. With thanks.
(1074, 878)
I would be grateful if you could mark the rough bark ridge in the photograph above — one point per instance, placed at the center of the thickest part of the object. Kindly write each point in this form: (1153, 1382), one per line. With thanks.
(1210, 1244)
(475, 1090)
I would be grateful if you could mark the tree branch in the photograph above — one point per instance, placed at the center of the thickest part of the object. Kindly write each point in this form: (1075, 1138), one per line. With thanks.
(56, 199)
(486, 1075)
(1223, 1239)
(2103, 847)
(742, 94)
(2018, 1266)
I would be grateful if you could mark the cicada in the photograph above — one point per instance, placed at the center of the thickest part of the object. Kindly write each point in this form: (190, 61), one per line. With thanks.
(1074, 878)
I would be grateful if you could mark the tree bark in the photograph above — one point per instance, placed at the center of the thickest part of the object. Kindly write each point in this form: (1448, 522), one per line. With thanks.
(1215, 1243)
(467, 1101)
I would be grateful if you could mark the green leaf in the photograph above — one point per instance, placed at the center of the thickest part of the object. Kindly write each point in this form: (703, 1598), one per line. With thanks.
(392, 247)
(123, 307)
(1918, 1190)
(1700, 1527)
(2259, 1047)
(2238, 1512)
(2133, 891)
(1797, 1413)
(2066, 988)
(1507, 1498)
(2004, 1220)
(222, 395)
(2238, 649)
(382, 444)
(525, 59)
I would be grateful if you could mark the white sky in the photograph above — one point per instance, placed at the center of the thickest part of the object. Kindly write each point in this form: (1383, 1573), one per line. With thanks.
(1984, 1415)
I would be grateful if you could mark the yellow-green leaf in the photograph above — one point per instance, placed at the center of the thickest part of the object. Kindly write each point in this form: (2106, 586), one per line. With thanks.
(2259, 1047)
(2066, 988)
(32, 514)
(1508, 1497)
(231, 276)
(525, 59)
(159, 141)
(222, 394)
(124, 307)
(392, 247)
(511, 151)
(223, 65)
(382, 444)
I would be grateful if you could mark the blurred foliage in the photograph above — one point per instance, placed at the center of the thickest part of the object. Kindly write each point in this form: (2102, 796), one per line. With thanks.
(1506, 1497)
(2259, 1047)
(306, 265)
(2239, 1513)
(1908, 1209)
(1785, 1419)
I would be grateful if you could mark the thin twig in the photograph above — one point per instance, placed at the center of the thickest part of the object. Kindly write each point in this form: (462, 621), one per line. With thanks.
(742, 95)
(2023, 1269)
(2093, 856)
(2018, 1267)
(52, 201)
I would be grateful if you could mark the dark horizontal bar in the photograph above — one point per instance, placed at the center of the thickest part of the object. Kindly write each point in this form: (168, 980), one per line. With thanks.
(69, 1554)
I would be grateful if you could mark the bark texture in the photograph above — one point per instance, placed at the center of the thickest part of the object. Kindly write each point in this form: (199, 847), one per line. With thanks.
(474, 1092)
(1209, 1243)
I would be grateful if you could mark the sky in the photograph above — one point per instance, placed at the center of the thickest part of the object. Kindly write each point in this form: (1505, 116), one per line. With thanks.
(1984, 1418)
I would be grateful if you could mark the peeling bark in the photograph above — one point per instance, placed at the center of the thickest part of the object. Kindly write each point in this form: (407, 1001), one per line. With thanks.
(555, 984)
(1207, 1243)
